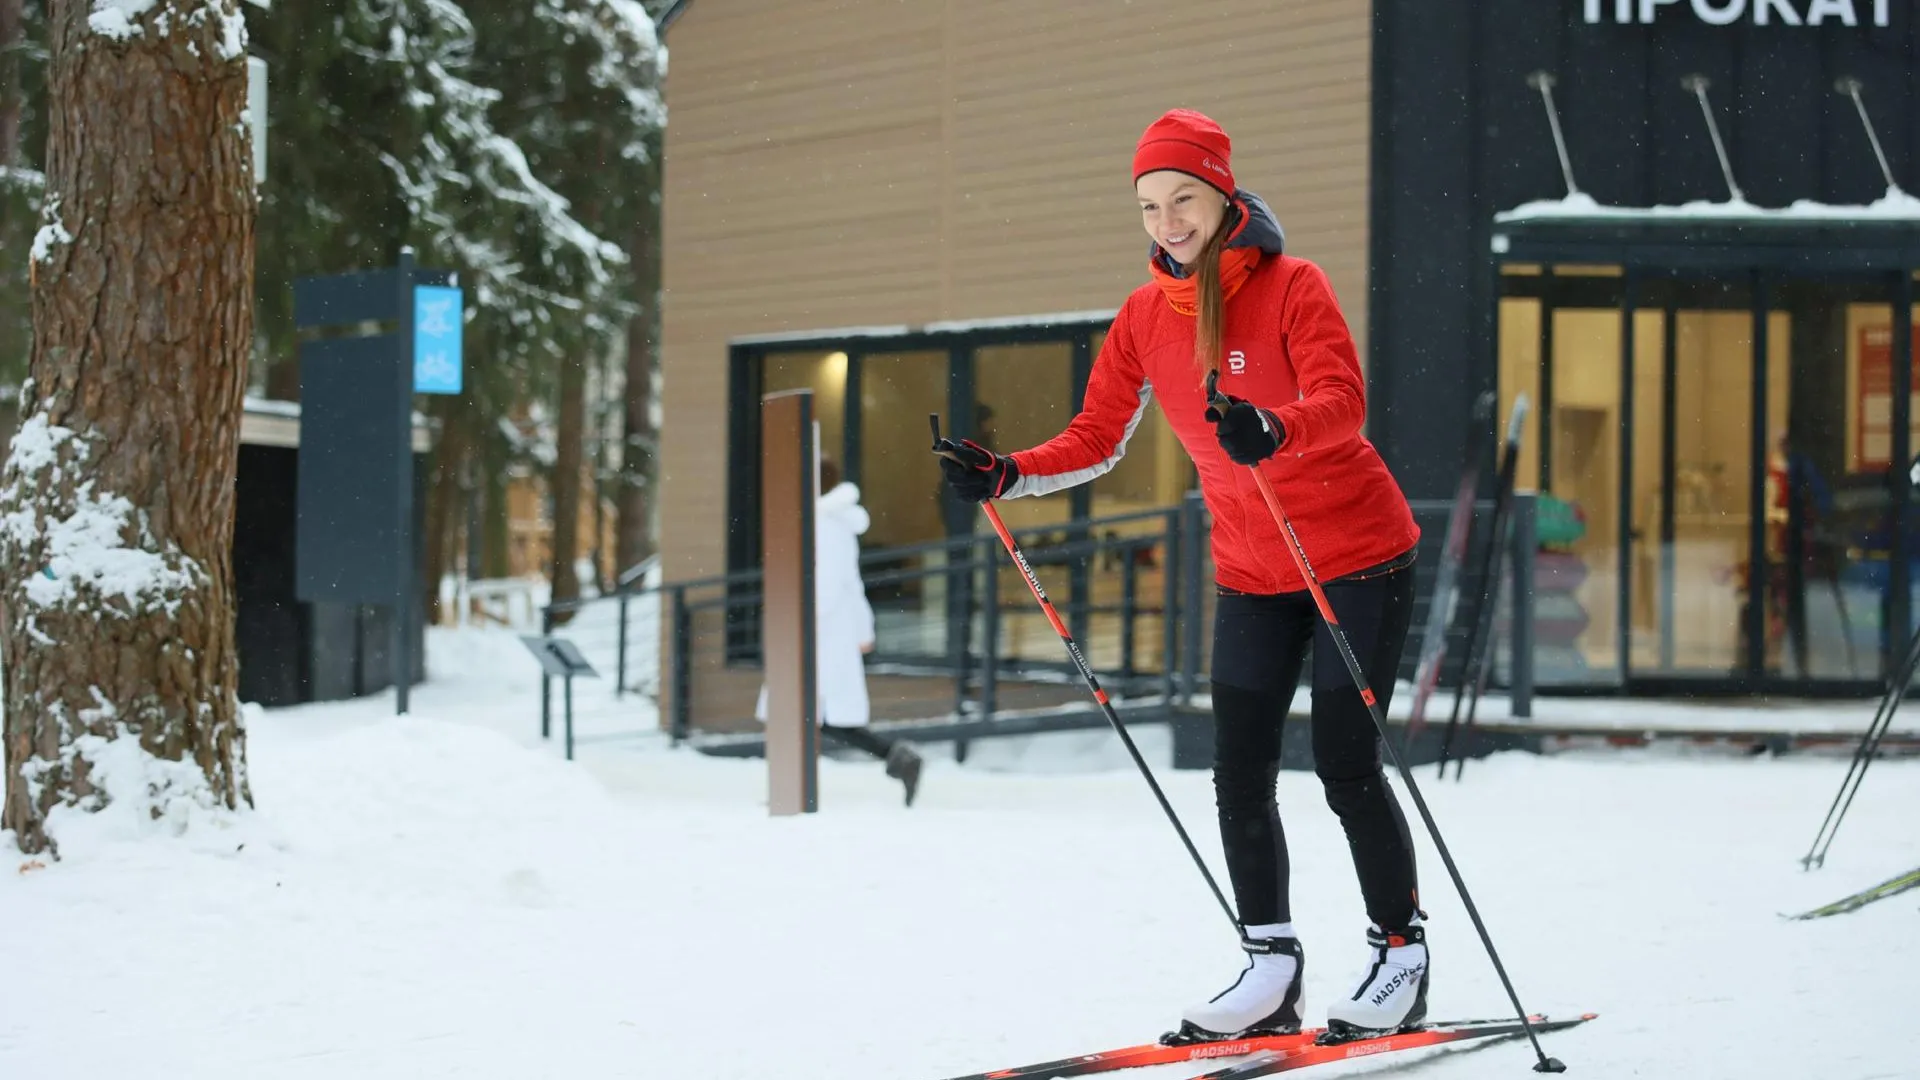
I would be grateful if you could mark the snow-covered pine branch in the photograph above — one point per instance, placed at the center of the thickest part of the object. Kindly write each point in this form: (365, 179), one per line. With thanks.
(468, 186)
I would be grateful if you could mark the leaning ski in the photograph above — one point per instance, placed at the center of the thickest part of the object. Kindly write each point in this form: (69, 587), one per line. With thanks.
(1273, 1063)
(1890, 887)
(1476, 665)
(1446, 582)
(1270, 1053)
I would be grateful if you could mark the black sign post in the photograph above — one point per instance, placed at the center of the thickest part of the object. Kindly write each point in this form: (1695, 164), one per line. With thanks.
(354, 535)
(560, 659)
(403, 489)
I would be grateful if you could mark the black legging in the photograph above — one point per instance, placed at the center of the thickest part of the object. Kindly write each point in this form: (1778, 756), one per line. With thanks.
(1259, 646)
(860, 738)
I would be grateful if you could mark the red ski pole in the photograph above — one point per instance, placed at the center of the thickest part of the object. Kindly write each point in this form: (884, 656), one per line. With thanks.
(1221, 403)
(953, 451)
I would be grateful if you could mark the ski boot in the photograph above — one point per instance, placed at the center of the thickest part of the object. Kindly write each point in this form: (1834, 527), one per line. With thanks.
(1392, 992)
(1265, 1000)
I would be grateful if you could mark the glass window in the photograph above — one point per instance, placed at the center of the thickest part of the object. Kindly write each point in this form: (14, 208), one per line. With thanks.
(1156, 471)
(825, 373)
(1583, 490)
(1829, 471)
(1692, 476)
(1520, 374)
(903, 492)
(1023, 396)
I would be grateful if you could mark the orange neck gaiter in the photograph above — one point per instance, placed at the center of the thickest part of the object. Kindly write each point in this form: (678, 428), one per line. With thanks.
(1184, 293)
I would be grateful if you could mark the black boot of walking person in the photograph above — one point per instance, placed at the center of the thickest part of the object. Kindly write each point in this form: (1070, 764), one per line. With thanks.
(903, 764)
(903, 761)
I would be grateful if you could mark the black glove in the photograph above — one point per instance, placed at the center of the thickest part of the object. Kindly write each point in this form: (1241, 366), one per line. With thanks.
(980, 475)
(1248, 433)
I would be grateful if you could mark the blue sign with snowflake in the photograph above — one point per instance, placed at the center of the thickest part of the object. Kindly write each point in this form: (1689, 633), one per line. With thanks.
(436, 339)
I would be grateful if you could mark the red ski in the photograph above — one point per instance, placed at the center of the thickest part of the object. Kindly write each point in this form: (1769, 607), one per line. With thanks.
(1135, 1057)
(1273, 1062)
(1275, 1053)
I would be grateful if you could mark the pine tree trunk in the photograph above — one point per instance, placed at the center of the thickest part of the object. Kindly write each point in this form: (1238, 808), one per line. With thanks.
(638, 450)
(496, 525)
(565, 480)
(13, 26)
(446, 497)
(116, 504)
(16, 207)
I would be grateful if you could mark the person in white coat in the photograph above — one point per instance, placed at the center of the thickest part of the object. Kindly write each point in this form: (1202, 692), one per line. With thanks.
(844, 631)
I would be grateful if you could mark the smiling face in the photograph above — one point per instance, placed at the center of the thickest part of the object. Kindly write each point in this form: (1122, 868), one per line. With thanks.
(1179, 212)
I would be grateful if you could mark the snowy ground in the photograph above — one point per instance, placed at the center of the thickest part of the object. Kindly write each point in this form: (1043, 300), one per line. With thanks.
(443, 896)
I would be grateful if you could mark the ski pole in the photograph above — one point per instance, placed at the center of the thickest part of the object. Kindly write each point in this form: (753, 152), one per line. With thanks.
(1475, 663)
(1345, 647)
(1497, 542)
(1869, 741)
(1863, 755)
(1446, 586)
(948, 449)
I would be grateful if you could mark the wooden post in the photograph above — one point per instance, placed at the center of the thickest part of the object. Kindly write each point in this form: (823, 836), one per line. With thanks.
(787, 621)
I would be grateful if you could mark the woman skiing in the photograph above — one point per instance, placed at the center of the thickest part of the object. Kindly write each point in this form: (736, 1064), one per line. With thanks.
(1225, 301)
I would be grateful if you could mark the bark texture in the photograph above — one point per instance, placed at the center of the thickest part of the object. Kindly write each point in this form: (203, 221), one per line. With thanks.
(634, 540)
(12, 100)
(446, 496)
(116, 504)
(563, 484)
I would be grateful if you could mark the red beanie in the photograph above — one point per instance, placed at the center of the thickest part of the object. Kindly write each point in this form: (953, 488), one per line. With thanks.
(1189, 142)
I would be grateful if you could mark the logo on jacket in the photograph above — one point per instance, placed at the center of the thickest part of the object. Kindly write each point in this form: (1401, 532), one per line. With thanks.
(1236, 361)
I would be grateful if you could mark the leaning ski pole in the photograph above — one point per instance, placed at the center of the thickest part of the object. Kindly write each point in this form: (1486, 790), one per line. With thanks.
(1863, 755)
(1480, 636)
(1446, 585)
(1494, 566)
(1869, 741)
(1345, 647)
(947, 449)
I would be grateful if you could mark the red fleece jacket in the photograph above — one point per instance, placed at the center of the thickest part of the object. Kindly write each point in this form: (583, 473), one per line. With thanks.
(1288, 350)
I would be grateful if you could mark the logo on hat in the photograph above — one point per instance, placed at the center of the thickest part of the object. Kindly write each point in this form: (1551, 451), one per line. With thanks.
(1209, 163)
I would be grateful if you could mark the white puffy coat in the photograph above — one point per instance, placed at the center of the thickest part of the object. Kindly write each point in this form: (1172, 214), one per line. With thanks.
(842, 615)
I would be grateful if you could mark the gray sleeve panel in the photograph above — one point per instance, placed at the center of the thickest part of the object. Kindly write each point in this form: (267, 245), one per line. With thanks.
(1047, 485)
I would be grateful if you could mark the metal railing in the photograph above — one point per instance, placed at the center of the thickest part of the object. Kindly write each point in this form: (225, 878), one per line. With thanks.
(961, 644)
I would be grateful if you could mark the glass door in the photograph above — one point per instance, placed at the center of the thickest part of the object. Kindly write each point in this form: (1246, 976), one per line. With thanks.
(1718, 475)
(1560, 333)
(1830, 476)
(1691, 493)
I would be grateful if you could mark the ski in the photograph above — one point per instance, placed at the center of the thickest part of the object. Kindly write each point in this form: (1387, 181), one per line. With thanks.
(1446, 582)
(1477, 664)
(1272, 1063)
(1890, 887)
(1145, 1054)
(1276, 1053)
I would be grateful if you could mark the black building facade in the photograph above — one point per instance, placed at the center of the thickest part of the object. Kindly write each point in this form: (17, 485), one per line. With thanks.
(1712, 327)
(292, 652)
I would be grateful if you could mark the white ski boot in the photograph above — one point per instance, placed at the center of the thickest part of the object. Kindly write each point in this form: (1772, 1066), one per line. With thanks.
(1392, 992)
(1265, 1000)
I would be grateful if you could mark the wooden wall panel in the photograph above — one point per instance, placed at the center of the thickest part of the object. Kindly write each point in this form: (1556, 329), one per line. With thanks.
(859, 162)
